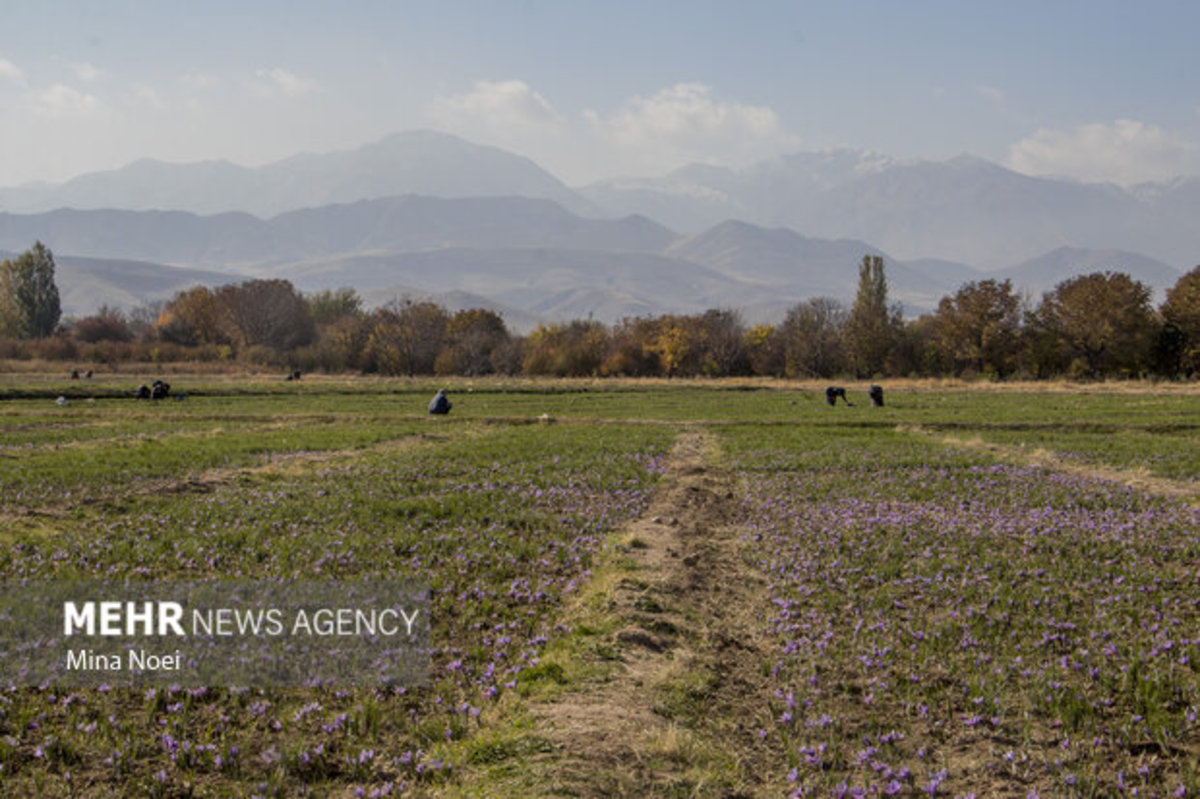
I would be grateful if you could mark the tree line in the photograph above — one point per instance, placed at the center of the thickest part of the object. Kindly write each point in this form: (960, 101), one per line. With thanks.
(1096, 325)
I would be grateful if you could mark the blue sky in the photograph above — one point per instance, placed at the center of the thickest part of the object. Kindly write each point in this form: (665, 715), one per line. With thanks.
(1091, 90)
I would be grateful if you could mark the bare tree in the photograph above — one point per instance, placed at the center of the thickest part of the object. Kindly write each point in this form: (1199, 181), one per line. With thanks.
(471, 338)
(406, 337)
(267, 313)
(107, 324)
(814, 339)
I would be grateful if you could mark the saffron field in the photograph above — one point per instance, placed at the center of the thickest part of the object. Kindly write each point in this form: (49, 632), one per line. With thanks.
(969, 591)
(951, 625)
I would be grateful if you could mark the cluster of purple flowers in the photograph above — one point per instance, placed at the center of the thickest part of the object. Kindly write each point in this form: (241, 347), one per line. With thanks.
(974, 604)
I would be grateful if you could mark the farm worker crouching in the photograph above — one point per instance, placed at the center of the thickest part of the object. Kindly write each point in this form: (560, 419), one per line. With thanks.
(440, 404)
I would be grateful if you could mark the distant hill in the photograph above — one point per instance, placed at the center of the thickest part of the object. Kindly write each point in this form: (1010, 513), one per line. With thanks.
(961, 211)
(416, 162)
(798, 266)
(419, 223)
(945, 273)
(85, 284)
(238, 241)
(773, 193)
(1043, 273)
(965, 210)
(532, 258)
(544, 281)
(515, 319)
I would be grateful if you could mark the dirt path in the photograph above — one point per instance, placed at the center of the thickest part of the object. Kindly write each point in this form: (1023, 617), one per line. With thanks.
(679, 713)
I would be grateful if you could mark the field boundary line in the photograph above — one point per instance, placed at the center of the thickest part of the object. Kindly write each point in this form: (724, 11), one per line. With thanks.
(658, 686)
(280, 462)
(1137, 479)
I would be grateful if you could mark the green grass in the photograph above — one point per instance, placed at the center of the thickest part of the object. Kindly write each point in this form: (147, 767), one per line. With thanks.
(502, 520)
(937, 609)
(517, 525)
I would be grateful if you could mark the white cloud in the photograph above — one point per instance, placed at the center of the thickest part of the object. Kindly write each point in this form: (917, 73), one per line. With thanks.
(281, 81)
(10, 71)
(1124, 152)
(499, 105)
(685, 123)
(62, 101)
(86, 72)
(652, 134)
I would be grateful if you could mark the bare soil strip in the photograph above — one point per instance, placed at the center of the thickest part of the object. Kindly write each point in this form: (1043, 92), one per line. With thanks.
(678, 716)
(1139, 480)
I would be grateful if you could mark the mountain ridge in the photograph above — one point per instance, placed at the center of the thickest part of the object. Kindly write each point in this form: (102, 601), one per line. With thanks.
(494, 224)
(238, 240)
(963, 209)
(530, 255)
(409, 162)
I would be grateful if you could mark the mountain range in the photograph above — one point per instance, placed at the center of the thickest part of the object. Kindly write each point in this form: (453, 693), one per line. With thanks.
(966, 210)
(414, 162)
(426, 214)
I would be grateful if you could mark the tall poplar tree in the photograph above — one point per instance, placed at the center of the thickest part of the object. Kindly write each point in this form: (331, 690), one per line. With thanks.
(872, 327)
(29, 302)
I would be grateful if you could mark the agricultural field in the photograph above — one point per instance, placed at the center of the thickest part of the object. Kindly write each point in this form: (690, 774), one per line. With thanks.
(658, 588)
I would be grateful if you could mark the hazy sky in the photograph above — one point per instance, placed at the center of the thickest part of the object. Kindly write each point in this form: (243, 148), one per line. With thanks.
(1094, 90)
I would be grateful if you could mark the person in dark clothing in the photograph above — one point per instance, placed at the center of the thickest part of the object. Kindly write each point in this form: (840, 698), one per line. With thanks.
(440, 404)
(876, 395)
(833, 392)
